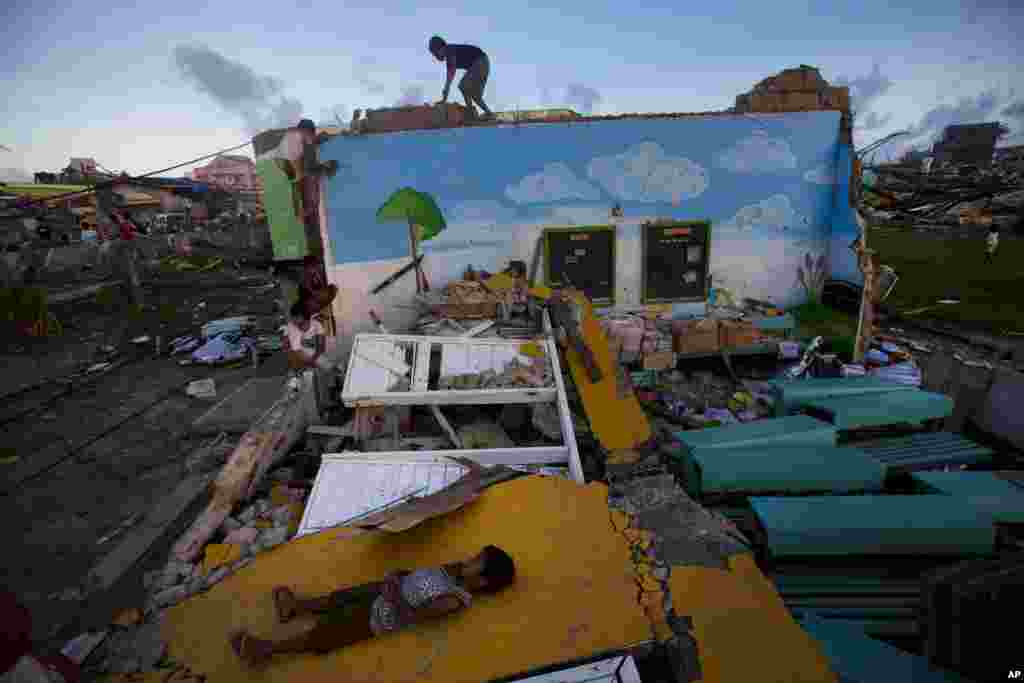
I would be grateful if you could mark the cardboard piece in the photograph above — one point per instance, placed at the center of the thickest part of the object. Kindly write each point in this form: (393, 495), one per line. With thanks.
(696, 336)
(737, 333)
(658, 360)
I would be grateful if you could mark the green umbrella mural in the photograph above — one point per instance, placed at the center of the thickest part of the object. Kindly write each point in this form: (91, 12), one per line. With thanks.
(423, 215)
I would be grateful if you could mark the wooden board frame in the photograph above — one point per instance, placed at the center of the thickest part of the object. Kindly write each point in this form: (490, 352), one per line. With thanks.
(546, 240)
(667, 223)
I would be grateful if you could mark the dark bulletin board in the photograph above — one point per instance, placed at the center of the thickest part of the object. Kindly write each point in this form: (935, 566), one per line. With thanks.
(676, 256)
(583, 258)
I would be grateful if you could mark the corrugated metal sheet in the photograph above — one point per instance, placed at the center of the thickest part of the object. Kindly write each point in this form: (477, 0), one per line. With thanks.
(795, 393)
(875, 525)
(925, 451)
(798, 429)
(879, 409)
(796, 468)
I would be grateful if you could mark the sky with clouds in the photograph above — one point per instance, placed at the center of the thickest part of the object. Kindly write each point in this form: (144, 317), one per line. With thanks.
(141, 86)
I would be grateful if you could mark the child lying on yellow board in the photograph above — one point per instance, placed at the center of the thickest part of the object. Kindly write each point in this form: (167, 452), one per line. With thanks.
(400, 600)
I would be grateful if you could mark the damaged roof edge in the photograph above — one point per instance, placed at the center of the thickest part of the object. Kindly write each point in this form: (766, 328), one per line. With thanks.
(348, 132)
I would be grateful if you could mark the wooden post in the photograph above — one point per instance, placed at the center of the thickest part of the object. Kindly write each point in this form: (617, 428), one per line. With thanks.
(413, 246)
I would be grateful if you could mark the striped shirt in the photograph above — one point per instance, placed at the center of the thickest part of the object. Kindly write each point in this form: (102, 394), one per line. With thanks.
(418, 588)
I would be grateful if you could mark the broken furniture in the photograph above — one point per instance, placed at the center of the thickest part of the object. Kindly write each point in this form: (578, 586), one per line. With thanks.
(395, 370)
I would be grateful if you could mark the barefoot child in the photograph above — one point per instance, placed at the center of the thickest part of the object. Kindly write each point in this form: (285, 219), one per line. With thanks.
(401, 600)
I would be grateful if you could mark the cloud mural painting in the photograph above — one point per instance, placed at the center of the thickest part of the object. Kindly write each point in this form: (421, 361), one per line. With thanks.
(773, 215)
(758, 154)
(821, 175)
(556, 182)
(646, 173)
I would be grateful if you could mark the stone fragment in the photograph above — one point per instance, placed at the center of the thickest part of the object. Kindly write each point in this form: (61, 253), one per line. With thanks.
(281, 515)
(271, 538)
(243, 536)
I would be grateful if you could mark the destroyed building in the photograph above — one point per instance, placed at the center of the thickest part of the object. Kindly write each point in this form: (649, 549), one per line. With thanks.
(972, 143)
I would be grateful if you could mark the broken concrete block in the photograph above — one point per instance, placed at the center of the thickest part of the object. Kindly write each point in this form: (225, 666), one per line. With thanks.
(271, 538)
(243, 536)
(281, 515)
(170, 596)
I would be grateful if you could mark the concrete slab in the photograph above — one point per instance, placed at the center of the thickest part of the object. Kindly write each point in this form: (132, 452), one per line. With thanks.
(235, 413)
(1000, 411)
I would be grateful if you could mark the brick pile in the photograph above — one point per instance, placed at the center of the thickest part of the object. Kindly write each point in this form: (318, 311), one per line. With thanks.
(798, 89)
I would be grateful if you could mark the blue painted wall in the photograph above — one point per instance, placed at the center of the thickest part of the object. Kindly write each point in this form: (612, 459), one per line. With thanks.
(768, 183)
(844, 224)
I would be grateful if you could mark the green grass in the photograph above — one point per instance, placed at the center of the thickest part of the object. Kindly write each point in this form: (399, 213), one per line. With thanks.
(815, 319)
(932, 268)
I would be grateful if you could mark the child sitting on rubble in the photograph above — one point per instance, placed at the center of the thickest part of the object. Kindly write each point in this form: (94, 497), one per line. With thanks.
(401, 600)
(304, 337)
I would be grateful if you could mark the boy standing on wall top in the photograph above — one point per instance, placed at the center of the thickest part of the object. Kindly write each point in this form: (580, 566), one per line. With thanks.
(477, 66)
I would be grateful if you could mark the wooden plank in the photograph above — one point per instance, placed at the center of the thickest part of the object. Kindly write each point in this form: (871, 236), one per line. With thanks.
(617, 422)
(564, 414)
(270, 439)
(454, 397)
(538, 455)
(421, 374)
(446, 426)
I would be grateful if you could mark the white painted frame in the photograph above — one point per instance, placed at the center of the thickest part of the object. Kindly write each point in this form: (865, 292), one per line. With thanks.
(353, 396)
(545, 455)
(564, 414)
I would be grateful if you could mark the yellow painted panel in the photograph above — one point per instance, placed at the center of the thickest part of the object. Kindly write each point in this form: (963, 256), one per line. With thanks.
(743, 630)
(616, 422)
(500, 282)
(574, 595)
(220, 554)
(540, 292)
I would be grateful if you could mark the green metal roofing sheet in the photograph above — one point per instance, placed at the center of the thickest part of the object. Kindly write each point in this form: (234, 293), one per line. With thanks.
(926, 450)
(791, 394)
(798, 429)
(1002, 498)
(787, 468)
(857, 658)
(875, 525)
(851, 412)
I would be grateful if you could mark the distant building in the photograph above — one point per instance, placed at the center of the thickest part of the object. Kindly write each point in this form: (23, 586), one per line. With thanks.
(972, 143)
(230, 172)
